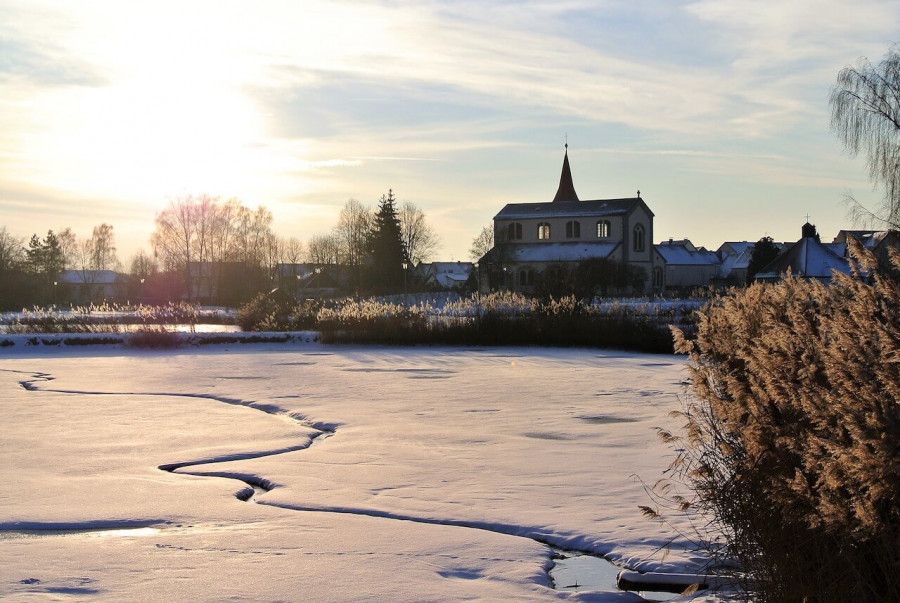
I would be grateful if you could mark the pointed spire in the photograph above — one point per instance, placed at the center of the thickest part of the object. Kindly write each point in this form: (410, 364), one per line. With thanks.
(566, 191)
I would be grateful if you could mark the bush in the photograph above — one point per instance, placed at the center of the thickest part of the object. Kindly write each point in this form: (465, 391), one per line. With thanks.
(160, 338)
(501, 318)
(277, 311)
(792, 441)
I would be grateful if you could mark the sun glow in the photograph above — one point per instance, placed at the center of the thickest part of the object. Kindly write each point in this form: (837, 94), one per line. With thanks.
(172, 117)
(173, 108)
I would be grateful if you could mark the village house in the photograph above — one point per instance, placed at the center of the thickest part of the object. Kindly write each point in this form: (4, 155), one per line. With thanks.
(679, 265)
(735, 260)
(444, 276)
(808, 258)
(90, 286)
(534, 240)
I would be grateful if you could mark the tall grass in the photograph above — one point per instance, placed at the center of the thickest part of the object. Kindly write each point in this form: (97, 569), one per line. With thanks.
(792, 434)
(105, 318)
(503, 318)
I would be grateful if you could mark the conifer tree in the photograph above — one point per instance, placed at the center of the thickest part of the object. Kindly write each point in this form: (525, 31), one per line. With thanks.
(45, 257)
(387, 250)
(764, 251)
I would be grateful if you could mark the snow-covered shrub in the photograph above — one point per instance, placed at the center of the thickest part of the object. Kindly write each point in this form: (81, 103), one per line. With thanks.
(266, 312)
(499, 318)
(87, 319)
(107, 318)
(173, 313)
(374, 321)
(792, 439)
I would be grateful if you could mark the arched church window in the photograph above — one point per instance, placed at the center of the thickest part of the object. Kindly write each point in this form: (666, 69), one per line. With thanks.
(603, 229)
(573, 230)
(543, 231)
(514, 231)
(638, 237)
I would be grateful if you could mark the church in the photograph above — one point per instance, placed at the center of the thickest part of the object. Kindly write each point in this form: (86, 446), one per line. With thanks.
(535, 240)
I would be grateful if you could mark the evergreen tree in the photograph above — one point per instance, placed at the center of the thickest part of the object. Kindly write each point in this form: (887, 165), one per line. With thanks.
(388, 254)
(45, 261)
(45, 257)
(764, 251)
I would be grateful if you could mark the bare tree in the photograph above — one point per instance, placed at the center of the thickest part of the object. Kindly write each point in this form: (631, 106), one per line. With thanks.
(292, 251)
(483, 243)
(865, 114)
(174, 237)
(324, 249)
(103, 249)
(142, 265)
(252, 234)
(81, 261)
(419, 238)
(185, 235)
(13, 291)
(12, 250)
(68, 243)
(354, 225)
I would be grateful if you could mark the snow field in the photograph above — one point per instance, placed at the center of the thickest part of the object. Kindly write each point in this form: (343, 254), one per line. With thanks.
(445, 469)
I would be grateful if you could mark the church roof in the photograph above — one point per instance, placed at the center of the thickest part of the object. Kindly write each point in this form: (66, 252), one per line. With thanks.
(555, 252)
(565, 209)
(806, 258)
(566, 190)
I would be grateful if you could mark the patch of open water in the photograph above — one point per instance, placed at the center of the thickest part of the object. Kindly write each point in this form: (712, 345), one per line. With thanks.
(574, 571)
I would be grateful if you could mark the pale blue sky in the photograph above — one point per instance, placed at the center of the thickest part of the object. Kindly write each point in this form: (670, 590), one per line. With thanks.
(715, 109)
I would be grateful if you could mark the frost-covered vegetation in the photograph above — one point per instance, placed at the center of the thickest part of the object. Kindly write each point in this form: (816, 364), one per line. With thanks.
(500, 318)
(108, 318)
(793, 432)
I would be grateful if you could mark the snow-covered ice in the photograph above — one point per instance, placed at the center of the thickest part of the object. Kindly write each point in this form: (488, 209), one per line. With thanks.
(392, 473)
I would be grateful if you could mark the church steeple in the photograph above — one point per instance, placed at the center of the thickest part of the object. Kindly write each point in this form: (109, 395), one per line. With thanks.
(566, 191)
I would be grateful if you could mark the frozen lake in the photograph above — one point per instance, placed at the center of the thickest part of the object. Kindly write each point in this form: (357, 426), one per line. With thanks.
(372, 473)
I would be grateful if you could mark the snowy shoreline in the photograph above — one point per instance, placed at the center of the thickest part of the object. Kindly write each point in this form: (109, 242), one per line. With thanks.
(12, 343)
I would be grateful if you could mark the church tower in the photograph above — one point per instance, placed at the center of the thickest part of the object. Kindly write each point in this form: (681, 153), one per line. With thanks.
(566, 191)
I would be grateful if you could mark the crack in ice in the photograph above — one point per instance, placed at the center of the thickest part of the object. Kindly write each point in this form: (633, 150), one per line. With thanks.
(256, 486)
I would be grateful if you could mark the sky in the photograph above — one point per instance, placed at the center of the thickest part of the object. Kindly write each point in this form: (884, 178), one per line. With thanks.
(716, 110)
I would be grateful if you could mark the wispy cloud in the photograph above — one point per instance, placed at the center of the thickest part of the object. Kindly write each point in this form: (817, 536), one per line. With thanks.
(127, 103)
(376, 158)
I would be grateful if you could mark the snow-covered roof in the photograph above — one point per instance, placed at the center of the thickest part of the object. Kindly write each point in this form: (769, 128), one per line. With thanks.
(739, 261)
(302, 271)
(839, 249)
(680, 254)
(557, 252)
(452, 267)
(734, 247)
(806, 258)
(868, 238)
(447, 274)
(93, 277)
(570, 209)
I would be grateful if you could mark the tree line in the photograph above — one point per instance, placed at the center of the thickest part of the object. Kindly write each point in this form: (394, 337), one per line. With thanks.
(207, 249)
